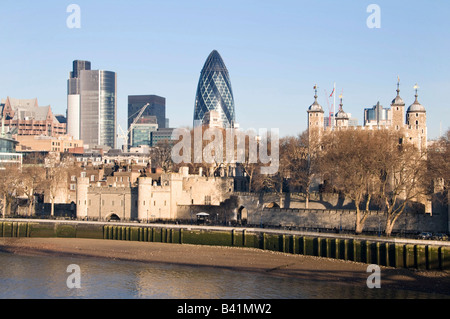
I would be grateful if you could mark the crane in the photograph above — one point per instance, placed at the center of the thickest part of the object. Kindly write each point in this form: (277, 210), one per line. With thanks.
(330, 108)
(125, 135)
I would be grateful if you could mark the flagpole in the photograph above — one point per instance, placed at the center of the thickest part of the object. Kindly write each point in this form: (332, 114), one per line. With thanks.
(334, 104)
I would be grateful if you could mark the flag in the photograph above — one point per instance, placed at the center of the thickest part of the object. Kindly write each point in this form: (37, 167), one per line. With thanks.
(332, 93)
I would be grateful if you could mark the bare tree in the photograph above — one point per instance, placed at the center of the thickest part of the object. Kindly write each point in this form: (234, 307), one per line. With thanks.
(32, 178)
(162, 156)
(299, 161)
(402, 179)
(438, 156)
(350, 160)
(10, 186)
(56, 177)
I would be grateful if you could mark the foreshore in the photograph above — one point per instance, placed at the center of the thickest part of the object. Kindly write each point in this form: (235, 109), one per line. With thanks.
(239, 259)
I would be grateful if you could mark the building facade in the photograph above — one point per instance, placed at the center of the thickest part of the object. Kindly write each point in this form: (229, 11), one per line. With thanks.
(74, 97)
(156, 108)
(149, 199)
(214, 92)
(26, 117)
(161, 135)
(92, 105)
(60, 144)
(8, 154)
(377, 116)
(141, 134)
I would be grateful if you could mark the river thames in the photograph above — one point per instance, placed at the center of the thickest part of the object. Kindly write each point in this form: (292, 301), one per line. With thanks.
(45, 277)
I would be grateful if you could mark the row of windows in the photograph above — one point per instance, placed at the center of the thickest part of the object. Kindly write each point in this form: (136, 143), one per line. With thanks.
(154, 203)
(89, 202)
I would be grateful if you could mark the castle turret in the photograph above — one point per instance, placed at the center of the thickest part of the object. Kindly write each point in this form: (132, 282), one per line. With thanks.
(82, 197)
(397, 110)
(341, 117)
(315, 115)
(144, 198)
(315, 119)
(416, 120)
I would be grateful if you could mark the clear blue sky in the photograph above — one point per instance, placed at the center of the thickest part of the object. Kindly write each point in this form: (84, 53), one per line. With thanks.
(275, 52)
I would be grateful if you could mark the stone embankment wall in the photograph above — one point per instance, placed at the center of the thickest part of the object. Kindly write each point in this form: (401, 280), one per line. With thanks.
(416, 254)
(344, 219)
(330, 211)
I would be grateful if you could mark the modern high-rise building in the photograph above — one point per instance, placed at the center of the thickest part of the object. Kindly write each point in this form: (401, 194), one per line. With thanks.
(156, 108)
(141, 133)
(92, 105)
(377, 115)
(214, 92)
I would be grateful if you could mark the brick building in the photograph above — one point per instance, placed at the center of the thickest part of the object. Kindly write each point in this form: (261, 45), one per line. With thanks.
(26, 117)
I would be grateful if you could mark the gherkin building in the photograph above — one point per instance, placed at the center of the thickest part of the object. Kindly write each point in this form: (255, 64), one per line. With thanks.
(214, 92)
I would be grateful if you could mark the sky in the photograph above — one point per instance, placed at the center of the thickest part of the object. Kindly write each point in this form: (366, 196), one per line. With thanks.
(275, 52)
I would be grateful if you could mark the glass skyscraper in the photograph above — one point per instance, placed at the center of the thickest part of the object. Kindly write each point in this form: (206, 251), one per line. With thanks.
(156, 108)
(214, 92)
(92, 105)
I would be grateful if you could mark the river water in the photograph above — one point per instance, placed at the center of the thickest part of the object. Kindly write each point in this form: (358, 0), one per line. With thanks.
(39, 277)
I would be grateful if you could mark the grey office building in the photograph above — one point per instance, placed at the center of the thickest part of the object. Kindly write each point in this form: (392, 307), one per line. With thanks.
(92, 105)
(156, 108)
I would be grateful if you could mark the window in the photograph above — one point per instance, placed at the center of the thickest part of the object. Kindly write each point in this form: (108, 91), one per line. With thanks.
(92, 178)
(73, 178)
(73, 187)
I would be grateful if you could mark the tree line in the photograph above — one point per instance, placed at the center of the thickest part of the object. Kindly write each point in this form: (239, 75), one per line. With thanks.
(372, 168)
